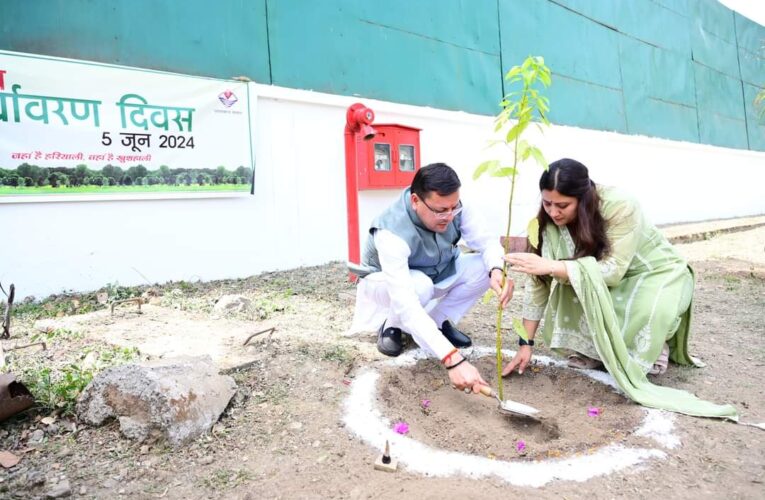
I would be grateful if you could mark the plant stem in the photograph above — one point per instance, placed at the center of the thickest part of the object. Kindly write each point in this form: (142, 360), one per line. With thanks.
(500, 384)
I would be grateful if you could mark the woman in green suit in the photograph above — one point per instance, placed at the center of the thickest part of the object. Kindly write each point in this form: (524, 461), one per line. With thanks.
(611, 289)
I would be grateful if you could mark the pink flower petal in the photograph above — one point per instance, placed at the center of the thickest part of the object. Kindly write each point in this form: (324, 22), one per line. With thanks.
(425, 403)
(593, 411)
(520, 445)
(401, 427)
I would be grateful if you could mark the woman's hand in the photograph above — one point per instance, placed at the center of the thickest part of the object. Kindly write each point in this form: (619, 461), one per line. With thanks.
(520, 360)
(530, 263)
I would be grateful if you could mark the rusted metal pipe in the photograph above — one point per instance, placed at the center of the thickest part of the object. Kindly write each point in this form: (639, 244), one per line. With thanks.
(137, 300)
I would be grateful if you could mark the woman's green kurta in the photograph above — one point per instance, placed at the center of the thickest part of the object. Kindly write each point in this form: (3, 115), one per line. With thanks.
(622, 308)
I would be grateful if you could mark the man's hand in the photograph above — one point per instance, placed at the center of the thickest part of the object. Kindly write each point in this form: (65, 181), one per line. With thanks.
(466, 376)
(520, 360)
(502, 286)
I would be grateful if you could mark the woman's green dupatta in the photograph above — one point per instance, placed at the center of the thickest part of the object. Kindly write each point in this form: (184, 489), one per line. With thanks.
(586, 278)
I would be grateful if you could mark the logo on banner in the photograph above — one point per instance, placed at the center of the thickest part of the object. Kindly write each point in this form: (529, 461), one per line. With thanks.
(227, 98)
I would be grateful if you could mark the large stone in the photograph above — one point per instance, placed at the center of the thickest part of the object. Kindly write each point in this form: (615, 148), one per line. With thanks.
(60, 490)
(178, 399)
(232, 304)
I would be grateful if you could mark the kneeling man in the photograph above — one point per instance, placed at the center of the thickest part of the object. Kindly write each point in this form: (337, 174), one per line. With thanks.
(419, 283)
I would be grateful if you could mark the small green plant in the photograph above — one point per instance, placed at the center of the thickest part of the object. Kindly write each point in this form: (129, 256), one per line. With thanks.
(222, 479)
(117, 292)
(337, 353)
(55, 306)
(520, 108)
(273, 394)
(731, 282)
(36, 310)
(265, 307)
(115, 355)
(57, 335)
(186, 287)
(59, 389)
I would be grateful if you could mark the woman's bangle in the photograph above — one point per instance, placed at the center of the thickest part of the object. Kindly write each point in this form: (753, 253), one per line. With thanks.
(449, 356)
(455, 365)
(552, 268)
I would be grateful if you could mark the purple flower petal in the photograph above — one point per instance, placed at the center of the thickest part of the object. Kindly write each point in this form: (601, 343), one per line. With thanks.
(425, 403)
(593, 411)
(520, 445)
(401, 427)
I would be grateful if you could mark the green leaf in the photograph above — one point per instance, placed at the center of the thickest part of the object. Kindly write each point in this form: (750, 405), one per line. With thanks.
(510, 108)
(537, 154)
(514, 71)
(544, 77)
(515, 131)
(502, 118)
(532, 230)
(542, 105)
(522, 148)
(494, 142)
(519, 329)
(524, 112)
(504, 172)
(490, 294)
(483, 167)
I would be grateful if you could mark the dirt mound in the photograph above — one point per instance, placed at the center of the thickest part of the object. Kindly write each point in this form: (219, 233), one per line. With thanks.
(580, 414)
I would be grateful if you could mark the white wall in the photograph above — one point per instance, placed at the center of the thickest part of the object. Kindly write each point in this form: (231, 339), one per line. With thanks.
(297, 216)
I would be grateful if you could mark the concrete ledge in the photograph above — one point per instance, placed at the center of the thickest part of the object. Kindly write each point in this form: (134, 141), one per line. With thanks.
(698, 231)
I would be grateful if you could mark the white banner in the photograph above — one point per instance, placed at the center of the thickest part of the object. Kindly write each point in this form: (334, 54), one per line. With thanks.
(78, 128)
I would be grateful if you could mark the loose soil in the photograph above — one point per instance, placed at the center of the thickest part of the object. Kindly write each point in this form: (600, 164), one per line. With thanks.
(283, 435)
(564, 398)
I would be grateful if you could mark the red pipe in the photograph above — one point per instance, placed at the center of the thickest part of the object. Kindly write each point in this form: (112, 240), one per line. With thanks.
(358, 121)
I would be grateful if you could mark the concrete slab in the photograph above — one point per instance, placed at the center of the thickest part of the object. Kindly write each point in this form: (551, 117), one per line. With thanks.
(696, 231)
(168, 333)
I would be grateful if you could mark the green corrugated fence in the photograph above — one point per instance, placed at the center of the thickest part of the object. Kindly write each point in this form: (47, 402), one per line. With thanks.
(679, 69)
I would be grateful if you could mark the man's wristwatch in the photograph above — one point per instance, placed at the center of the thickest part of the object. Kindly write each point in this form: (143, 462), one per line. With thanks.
(525, 342)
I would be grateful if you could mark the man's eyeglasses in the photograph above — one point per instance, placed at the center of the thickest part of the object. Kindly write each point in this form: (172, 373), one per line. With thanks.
(444, 214)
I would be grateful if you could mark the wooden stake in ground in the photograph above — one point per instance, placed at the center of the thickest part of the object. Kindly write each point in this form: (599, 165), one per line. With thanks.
(6, 332)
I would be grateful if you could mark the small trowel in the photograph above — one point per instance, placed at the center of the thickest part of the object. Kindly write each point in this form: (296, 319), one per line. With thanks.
(511, 407)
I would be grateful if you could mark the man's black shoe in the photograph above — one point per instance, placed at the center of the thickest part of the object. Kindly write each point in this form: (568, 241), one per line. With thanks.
(390, 341)
(456, 337)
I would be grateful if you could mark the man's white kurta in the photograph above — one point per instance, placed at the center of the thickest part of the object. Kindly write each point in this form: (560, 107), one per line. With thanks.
(409, 300)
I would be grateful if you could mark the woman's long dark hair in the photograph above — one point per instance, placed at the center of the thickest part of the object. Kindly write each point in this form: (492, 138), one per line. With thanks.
(571, 178)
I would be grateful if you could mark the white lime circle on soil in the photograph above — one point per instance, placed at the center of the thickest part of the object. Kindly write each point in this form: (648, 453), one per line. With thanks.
(366, 421)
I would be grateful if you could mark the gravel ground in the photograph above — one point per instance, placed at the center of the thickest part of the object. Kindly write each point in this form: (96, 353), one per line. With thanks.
(283, 435)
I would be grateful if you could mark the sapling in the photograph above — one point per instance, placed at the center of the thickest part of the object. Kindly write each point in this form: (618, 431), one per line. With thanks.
(520, 108)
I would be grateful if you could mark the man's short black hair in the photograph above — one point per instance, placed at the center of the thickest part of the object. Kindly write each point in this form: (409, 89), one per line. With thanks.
(436, 177)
